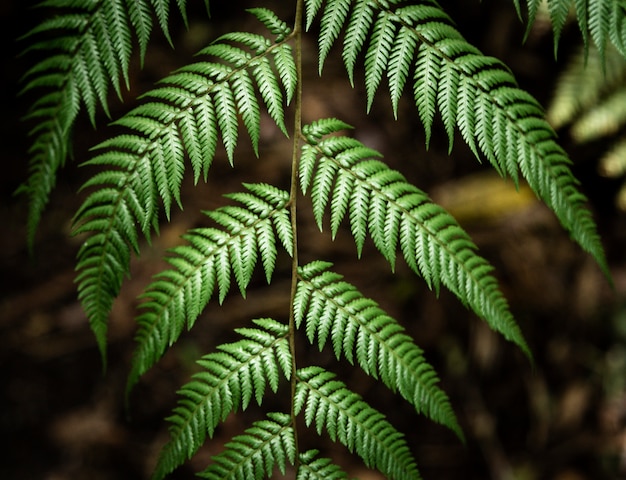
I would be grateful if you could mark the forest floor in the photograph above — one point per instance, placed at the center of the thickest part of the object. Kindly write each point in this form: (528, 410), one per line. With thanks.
(563, 419)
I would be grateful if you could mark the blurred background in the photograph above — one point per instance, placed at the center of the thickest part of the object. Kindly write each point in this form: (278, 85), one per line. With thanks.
(564, 419)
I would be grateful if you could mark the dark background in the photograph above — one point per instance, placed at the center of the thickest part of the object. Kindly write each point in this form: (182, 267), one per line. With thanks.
(62, 418)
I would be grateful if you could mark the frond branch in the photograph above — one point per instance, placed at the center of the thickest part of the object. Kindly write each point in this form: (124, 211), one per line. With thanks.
(89, 45)
(178, 295)
(476, 93)
(334, 310)
(267, 444)
(328, 404)
(346, 178)
(183, 117)
(229, 380)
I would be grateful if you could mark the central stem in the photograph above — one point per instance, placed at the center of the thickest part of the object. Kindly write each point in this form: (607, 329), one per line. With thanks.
(293, 195)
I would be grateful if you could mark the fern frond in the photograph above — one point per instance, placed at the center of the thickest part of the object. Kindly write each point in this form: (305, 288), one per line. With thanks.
(579, 87)
(344, 176)
(400, 60)
(178, 295)
(184, 116)
(88, 46)
(602, 21)
(272, 22)
(140, 15)
(426, 77)
(230, 379)
(559, 11)
(333, 310)
(336, 12)
(267, 444)
(314, 468)
(594, 106)
(355, 34)
(377, 56)
(328, 404)
(494, 116)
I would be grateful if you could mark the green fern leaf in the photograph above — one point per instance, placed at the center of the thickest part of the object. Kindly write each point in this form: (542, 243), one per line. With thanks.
(617, 29)
(356, 33)
(559, 10)
(400, 59)
(256, 43)
(432, 243)
(284, 62)
(169, 167)
(268, 86)
(335, 14)
(579, 87)
(312, 7)
(226, 113)
(248, 106)
(183, 116)
(327, 403)
(269, 195)
(602, 20)
(314, 468)
(321, 191)
(230, 53)
(229, 380)
(582, 16)
(55, 113)
(141, 18)
(89, 51)
(335, 310)
(484, 85)
(111, 65)
(358, 213)
(344, 188)
(118, 40)
(324, 126)
(377, 55)
(196, 148)
(447, 99)
(427, 73)
(272, 22)
(266, 445)
(162, 10)
(178, 296)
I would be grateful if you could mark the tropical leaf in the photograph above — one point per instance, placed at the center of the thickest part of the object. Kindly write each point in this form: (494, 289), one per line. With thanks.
(177, 296)
(85, 47)
(579, 87)
(594, 107)
(328, 404)
(602, 21)
(183, 117)
(315, 468)
(347, 178)
(267, 444)
(231, 378)
(475, 92)
(333, 310)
